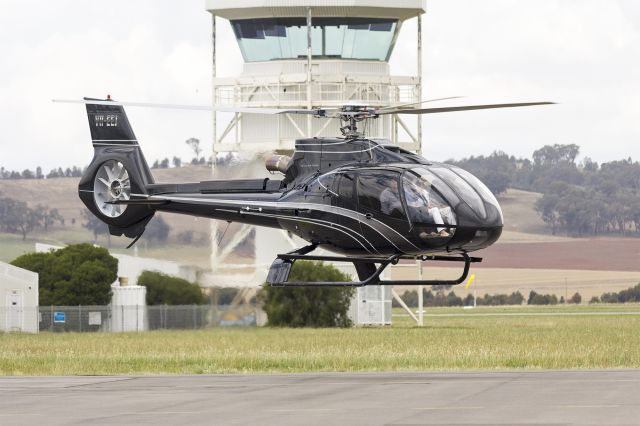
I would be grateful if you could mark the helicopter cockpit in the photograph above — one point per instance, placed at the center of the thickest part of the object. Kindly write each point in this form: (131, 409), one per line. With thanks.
(433, 205)
(442, 200)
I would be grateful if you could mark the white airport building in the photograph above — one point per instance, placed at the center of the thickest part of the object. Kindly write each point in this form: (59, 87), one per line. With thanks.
(18, 299)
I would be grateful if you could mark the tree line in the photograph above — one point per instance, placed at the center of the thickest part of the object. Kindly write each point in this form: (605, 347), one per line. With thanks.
(440, 298)
(16, 217)
(38, 174)
(578, 199)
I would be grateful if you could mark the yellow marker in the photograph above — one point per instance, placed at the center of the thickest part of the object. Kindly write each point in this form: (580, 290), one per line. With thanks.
(471, 278)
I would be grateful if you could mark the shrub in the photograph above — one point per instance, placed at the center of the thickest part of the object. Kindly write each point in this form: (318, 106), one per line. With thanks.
(629, 295)
(164, 289)
(79, 274)
(409, 297)
(575, 299)
(515, 298)
(309, 306)
(542, 299)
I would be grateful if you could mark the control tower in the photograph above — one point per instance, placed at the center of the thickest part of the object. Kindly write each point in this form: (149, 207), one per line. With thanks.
(304, 54)
(313, 54)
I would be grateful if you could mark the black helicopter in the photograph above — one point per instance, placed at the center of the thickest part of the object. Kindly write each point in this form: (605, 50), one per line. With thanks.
(372, 202)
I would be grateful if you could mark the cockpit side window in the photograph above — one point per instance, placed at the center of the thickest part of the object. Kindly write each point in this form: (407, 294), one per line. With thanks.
(424, 203)
(380, 191)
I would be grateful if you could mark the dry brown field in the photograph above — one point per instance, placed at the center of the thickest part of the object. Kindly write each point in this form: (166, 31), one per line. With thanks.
(547, 264)
(562, 283)
(62, 194)
(525, 258)
(593, 254)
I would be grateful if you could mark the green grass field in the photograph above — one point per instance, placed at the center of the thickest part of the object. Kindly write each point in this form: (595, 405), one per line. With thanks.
(446, 343)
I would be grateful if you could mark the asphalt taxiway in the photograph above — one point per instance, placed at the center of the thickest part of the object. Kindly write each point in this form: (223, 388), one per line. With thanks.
(470, 398)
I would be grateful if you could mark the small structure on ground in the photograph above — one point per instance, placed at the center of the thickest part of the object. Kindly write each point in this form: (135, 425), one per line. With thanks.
(18, 299)
(128, 307)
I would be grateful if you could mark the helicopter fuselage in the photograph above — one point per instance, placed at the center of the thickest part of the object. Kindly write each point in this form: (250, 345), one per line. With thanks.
(354, 197)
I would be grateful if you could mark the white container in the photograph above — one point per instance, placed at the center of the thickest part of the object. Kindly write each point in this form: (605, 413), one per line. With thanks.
(18, 300)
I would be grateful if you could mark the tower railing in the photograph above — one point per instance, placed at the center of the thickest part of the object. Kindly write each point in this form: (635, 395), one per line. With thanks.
(267, 93)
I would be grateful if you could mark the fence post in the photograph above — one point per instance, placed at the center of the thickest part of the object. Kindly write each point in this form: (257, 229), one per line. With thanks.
(122, 318)
(194, 316)
(51, 313)
(80, 317)
(137, 328)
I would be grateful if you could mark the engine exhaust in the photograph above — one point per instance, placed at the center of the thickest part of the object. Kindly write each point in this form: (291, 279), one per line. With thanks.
(278, 163)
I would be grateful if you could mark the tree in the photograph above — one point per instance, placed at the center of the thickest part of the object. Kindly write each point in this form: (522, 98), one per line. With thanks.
(409, 297)
(515, 298)
(79, 274)
(164, 289)
(497, 171)
(194, 144)
(19, 218)
(550, 155)
(542, 299)
(49, 216)
(630, 295)
(576, 299)
(157, 230)
(94, 225)
(309, 306)
(177, 162)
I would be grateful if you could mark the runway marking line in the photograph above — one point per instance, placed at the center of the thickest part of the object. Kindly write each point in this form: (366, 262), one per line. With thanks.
(447, 408)
(20, 414)
(588, 406)
(295, 410)
(528, 314)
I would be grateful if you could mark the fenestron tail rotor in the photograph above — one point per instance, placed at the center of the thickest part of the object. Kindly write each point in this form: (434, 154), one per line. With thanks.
(110, 185)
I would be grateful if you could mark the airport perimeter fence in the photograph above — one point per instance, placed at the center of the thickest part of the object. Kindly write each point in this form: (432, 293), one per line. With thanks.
(127, 318)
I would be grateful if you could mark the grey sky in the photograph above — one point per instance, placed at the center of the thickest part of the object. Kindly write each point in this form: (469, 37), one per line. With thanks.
(584, 54)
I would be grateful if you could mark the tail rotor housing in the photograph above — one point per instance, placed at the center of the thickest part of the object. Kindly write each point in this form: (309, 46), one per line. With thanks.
(117, 173)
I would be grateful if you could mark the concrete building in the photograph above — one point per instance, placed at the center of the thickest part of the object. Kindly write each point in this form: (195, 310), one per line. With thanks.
(18, 299)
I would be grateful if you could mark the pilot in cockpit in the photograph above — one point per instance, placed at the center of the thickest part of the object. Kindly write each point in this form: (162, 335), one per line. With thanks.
(423, 209)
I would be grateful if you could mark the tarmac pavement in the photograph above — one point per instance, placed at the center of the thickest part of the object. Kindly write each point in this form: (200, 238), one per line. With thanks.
(470, 398)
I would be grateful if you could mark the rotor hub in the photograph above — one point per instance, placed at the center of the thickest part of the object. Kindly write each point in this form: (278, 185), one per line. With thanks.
(116, 189)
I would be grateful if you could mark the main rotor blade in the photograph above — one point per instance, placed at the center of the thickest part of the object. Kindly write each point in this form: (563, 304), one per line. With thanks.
(247, 110)
(418, 103)
(460, 108)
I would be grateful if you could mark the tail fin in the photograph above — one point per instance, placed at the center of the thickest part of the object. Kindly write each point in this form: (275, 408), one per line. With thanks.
(118, 172)
(109, 125)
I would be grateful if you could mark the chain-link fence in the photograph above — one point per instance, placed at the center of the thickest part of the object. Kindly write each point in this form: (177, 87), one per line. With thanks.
(126, 318)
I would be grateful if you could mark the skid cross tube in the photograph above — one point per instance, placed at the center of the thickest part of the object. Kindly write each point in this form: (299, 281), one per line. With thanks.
(279, 272)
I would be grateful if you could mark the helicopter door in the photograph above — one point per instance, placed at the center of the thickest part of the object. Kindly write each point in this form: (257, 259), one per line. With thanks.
(379, 199)
(346, 218)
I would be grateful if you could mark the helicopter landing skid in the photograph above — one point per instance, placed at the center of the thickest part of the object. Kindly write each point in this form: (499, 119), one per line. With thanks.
(368, 272)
